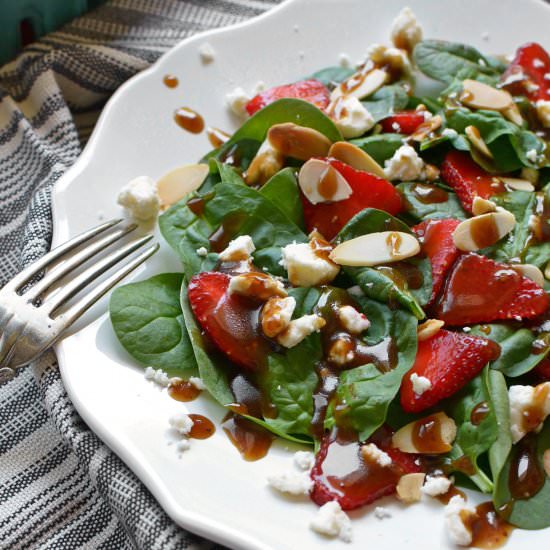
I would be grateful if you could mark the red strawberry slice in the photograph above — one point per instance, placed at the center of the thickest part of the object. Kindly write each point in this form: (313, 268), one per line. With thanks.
(448, 360)
(480, 290)
(468, 179)
(229, 320)
(340, 472)
(526, 75)
(369, 191)
(312, 91)
(404, 122)
(436, 237)
(542, 370)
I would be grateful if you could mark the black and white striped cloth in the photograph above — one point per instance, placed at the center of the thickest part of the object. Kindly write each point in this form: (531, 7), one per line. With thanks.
(60, 486)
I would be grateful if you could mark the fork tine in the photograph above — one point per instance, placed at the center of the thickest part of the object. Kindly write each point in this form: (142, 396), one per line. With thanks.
(75, 311)
(89, 275)
(74, 261)
(23, 277)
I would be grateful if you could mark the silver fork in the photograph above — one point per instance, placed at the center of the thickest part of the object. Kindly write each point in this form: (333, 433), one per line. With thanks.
(30, 323)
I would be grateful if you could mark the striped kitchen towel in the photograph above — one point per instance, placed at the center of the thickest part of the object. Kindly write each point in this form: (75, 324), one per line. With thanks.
(60, 486)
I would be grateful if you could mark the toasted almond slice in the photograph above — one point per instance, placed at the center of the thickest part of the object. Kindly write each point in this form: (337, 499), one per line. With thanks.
(546, 461)
(477, 141)
(405, 438)
(517, 184)
(482, 231)
(355, 157)
(320, 182)
(431, 171)
(179, 182)
(530, 174)
(482, 206)
(426, 128)
(376, 248)
(482, 96)
(512, 114)
(428, 328)
(361, 84)
(264, 165)
(409, 487)
(531, 272)
(299, 142)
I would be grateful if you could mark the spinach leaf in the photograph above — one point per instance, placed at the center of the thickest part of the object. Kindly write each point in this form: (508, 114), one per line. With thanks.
(365, 393)
(531, 513)
(443, 60)
(148, 322)
(331, 76)
(227, 173)
(419, 210)
(381, 146)
(386, 101)
(388, 283)
(282, 191)
(516, 347)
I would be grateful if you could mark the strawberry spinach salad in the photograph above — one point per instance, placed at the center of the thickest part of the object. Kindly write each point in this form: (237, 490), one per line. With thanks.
(365, 271)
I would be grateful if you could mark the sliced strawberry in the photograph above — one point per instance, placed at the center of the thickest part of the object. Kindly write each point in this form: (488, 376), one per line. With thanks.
(369, 191)
(309, 90)
(404, 122)
(229, 320)
(527, 74)
(449, 360)
(436, 237)
(340, 472)
(468, 179)
(480, 290)
(542, 370)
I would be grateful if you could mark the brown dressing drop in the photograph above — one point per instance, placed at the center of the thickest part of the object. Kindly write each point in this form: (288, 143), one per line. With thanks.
(534, 415)
(189, 120)
(328, 184)
(251, 440)
(452, 492)
(170, 81)
(488, 529)
(202, 428)
(463, 464)
(196, 205)
(182, 390)
(248, 397)
(227, 231)
(479, 412)
(429, 194)
(426, 436)
(484, 231)
(393, 242)
(217, 137)
(328, 382)
(526, 476)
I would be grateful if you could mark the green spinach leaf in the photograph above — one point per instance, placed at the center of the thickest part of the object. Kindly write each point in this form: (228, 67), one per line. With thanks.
(282, 191)
(386, 101)
(380, 147)
(331, 76)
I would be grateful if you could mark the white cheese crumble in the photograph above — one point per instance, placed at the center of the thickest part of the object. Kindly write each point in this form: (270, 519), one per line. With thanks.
(207, 52)
(351, 117)
(299, 329)
(458, 532)
(304, 460)
(276, 315)
(353, 321)
(436, 485)
(181, 422)
(140, 198)
(183, 445)
(420, 384)
(292, 483)
(202, 252)
(238, 249)
(405, 165)
(450, 133)
(381, 513)
(305, 267)
(543, 112)
(344, 60)
(405, 30)
(521, 399)
(372, 452)
(197, 382)
(158, 376)
(531, 155)
(395, 126)
(241, 284)
(332, 521)
(355, 291)
(547, 76)
(237, 100)
(538, 63)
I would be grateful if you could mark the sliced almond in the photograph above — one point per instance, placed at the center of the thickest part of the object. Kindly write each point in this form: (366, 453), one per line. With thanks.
(531, 272)
(407, 438)
(426, 128)
(477, 141)
(179, 182)
(320, 182)
(482, 96)
(482, 231)
(530, 174)
(431, 172)
(429, 328)
(512, 114)
(546, 461)
(361, 84)
(517, 184)
(409, 487)
(264, 165)
(482, 206)
(375, 249)
(299, 142)
(355, 157)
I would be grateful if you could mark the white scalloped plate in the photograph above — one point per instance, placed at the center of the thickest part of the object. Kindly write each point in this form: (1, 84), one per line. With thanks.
(211, 490)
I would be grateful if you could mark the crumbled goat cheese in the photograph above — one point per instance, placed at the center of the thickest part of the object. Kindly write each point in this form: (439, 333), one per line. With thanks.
(375, 454)
(181, 422)
(420, 384)
(331, 521)
(292, 483)
(355, 291)
(353, 321)
(521, 399)
(242, 284)
(485, 36)
(304, 460)
(381, 513)
(436, 485)
(305, 267)
(531, 155)
(299, 329)
(458, 532)
(405, 30)
(276, 315)
(202, 252)
(207, 52)
(405, 165)
(158, 376)
(259, 87)
(140, 198)
(183, 445)
(450, 133)
(344, 61)
(238, 249)
(237, 100)
(197, 382)
(547, 76)
(538, 63)
(395, 126)
(543, 112)
(352, 118)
